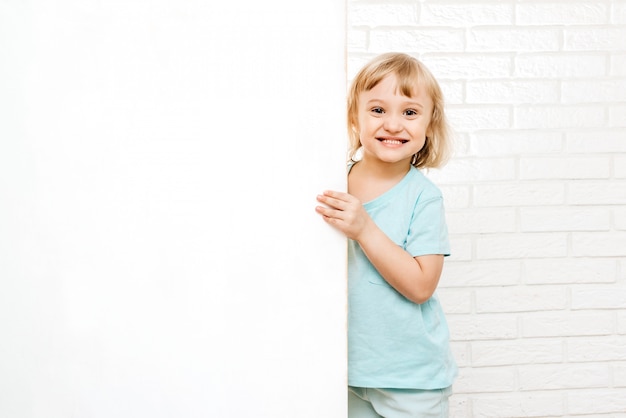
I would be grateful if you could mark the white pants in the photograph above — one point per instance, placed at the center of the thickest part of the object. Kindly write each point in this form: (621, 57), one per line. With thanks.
(397, 403)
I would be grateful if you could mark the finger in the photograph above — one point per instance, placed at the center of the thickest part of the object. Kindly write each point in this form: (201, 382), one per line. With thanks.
(347, 198)
(337, 195)
(332, 202)
(334, 222)
(329, 212)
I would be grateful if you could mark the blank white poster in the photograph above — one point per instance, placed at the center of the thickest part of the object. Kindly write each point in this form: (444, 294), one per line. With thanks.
(160, 255)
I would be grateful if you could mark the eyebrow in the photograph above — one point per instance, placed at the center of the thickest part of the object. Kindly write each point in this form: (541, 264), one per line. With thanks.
(406, 103)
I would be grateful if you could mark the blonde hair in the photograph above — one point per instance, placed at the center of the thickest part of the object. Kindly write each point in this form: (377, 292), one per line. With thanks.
(411, 74)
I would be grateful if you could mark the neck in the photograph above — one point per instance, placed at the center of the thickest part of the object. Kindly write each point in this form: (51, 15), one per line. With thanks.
(382, 169)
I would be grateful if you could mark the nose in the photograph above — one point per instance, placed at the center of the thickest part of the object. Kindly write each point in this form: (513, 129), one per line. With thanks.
(392, 123)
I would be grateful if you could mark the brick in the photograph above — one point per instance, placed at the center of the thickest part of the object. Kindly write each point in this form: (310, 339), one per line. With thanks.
(619, 218)
(354, 63)
(619, 166)
(453, 91)
(455, 301)
(512, 352)
(512, 143)
(598, 244)
(482, 327)
(594, 167)
(471, 118)
(461, 145)
(561, 117)
(521, 299)
(469, 66)
(608, 297)
(512, 92)
(570, 270)
(595, 39)
(617, 116)
(545, 219)
(481, 273)
(593, 91)
(563, 376)
(461, 249)
(376, 15)
(467, 170)
(562, 65)
(411, 40)
(518, 246)
(481, 221)
(451, 14)
(597, 193)
(618, 65)
(612, 415)
(596, 349)
(619, 375)
(458, 406)
(538, 404)
(485, 380)
(566, 324)
(602, 141)
(605, 401)
(519, 194)
(574, 13)
(460, 351)
(513, 40)
(456, 197)
(621, 322)
(356, 40)
(618, 13)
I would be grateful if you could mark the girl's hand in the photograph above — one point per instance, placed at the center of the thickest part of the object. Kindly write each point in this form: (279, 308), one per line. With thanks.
(416, 278)
(344, 212)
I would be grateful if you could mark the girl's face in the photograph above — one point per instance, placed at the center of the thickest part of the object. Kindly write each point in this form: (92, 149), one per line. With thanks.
(392, 127)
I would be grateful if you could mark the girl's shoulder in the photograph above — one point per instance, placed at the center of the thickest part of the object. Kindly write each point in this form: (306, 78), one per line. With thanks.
(427, 188)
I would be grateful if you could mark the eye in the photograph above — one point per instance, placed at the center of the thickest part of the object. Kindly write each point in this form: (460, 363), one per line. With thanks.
(377, 110)
(411, 112)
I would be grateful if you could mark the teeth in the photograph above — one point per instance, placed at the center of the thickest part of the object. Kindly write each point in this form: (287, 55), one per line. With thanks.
(393, 141)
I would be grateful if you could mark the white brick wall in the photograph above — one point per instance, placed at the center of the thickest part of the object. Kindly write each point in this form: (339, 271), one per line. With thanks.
(535, 291)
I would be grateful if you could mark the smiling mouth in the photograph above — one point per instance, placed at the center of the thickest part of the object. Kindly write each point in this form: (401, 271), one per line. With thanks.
(393, 141)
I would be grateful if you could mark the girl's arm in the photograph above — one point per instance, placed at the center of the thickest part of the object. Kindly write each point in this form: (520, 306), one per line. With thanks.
(416, 278)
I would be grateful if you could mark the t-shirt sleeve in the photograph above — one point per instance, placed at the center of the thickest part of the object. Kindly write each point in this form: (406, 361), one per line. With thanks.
(428, 231)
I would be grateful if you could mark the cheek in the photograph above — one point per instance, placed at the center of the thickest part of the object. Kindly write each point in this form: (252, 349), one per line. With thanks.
(368, 124)
(420, 129)
(360, 127)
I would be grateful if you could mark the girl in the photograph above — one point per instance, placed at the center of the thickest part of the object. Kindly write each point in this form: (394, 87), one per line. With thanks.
(399, 360)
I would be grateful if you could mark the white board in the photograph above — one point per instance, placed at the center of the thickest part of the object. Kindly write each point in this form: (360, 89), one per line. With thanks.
(159, 251)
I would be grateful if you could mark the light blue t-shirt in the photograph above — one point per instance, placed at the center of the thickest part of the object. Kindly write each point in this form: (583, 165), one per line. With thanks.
(393, 342)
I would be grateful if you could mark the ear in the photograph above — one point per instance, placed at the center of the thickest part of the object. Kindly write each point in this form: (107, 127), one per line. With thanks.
(354, 127)
(434, 118)
(429, 131)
